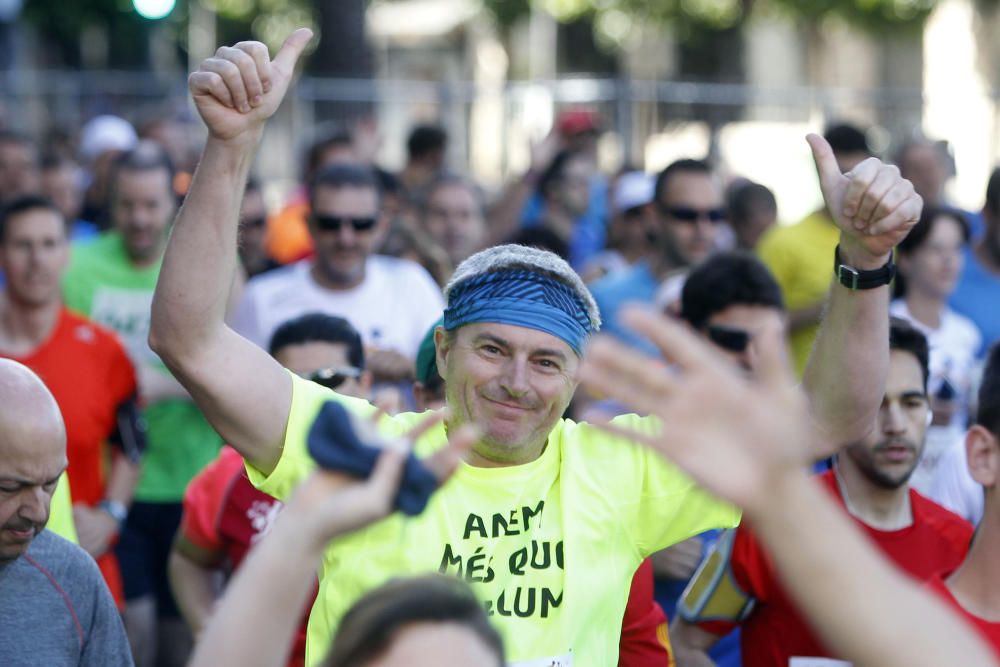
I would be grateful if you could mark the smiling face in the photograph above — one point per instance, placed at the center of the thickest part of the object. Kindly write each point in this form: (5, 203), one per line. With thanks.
(889, 455)
(514, 383)
(341, 253)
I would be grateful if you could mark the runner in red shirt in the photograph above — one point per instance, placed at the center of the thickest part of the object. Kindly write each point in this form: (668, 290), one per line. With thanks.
(85, 368)
(974, 588)
(737, 584)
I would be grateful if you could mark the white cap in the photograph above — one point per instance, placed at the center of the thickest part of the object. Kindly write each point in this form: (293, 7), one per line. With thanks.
(633, 188)
(106, 133)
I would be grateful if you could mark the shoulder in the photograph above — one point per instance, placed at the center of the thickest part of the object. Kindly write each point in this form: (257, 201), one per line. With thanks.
(635, 279)
(941, 520)
(96, 250)
(63, 563)
(398, 268)
(961, 328)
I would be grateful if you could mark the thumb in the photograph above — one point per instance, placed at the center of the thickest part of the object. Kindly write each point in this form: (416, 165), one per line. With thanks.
(290, 51)
(826, 164)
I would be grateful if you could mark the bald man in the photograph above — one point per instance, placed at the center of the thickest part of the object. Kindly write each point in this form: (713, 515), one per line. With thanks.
(55, 607)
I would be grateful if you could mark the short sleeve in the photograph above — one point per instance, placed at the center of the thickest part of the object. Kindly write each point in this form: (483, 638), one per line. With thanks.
(203, 500)
(668, 506)
(295, 463)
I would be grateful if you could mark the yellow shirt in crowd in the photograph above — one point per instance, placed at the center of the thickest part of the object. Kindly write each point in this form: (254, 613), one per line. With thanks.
(801, 258)
(550, 547)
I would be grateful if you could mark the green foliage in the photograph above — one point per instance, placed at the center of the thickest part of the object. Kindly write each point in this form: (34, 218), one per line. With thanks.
(695, 16)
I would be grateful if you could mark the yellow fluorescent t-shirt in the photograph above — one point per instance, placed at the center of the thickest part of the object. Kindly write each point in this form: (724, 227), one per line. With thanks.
(550, 547)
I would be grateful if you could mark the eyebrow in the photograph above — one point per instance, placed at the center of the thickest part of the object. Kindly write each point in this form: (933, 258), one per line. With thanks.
(544, 351)
(28, 482)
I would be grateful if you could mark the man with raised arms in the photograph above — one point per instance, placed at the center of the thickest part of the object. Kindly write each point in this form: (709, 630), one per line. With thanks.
(548, 519)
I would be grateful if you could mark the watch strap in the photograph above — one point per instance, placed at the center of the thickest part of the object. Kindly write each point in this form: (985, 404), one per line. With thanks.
(856, 279)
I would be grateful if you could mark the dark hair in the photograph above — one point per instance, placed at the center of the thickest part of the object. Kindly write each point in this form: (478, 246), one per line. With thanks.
(145, 156)
(543, 238)
(727, 279)
(847, 138)
(905, 337)
(993, 193)
(388, 182)
(52, 159)
(747, 196)
(319, 328)
(553, 174)
(450, 179)
(370, 626)
(23, 204)
(426, 139)
(314, 156)
(683, 165)
(988, 409)
(342, 176)
(925, 225)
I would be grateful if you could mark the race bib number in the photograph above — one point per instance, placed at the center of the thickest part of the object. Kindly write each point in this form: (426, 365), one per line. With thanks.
(817, 662)
(559, 661)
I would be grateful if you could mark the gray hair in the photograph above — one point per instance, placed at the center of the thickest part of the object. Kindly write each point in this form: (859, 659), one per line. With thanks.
(512, 257)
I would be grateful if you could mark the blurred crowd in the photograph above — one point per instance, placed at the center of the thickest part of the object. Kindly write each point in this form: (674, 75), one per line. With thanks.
(342, 284)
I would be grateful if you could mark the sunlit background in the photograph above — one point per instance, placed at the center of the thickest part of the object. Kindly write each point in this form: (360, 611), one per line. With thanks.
(740, 81)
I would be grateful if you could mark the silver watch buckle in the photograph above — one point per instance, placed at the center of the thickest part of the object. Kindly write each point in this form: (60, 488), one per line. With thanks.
(850, 271)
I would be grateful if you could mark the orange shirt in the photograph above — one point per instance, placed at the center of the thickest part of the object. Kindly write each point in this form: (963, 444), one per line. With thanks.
(89, 374)
(288, 238)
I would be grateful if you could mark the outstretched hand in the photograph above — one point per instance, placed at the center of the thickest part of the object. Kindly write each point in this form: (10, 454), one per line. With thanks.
(240, 87)
(873, 205)
(737, 436)
(331, 503)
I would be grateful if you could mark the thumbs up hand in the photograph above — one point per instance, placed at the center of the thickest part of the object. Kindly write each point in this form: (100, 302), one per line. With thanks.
(240, 87)
(873, 205)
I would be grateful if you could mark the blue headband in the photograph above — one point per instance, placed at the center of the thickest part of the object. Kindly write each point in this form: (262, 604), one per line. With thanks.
(522, 298)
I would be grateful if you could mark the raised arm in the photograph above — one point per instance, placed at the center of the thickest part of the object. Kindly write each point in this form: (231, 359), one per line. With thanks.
(242, 391)
(742, 439)
(875, 208)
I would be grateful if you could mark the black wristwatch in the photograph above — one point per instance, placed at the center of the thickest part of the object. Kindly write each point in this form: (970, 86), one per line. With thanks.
(855, 279)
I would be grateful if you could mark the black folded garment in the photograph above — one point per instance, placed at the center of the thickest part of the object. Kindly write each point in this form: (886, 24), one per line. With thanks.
(335, 444)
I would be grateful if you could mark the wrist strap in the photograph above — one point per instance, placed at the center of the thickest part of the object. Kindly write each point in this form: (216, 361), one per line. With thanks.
(857, 279)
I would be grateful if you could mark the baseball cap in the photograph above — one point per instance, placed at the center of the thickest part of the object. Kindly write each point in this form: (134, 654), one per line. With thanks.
(578, 121)
(633, 188)
(106, 133)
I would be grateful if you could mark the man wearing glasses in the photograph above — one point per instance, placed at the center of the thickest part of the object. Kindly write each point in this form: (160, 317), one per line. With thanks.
(689, 210)
(390, 301)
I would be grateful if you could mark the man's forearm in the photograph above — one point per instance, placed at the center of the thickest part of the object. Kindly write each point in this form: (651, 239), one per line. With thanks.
(863, 608)
(845, 376)
(201, 259)
(193, 587)
(281, 569)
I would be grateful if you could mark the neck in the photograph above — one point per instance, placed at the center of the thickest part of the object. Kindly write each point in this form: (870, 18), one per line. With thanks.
(327, 281)
(24, 327)
(925, 308)
(976, 584)
(876, 506)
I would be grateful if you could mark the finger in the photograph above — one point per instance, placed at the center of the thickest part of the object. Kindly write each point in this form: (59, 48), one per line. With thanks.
(902, 219)
(426, 424)
(674, 339)
(290, 51)
(860, 179)
(386, 475)
(773, 368)
(262, 59)
(231, 76)
(826, 164)
(885, 179)
(444, 461)
(248, 72)
(626, 375)
(211, 84)
(893, 199)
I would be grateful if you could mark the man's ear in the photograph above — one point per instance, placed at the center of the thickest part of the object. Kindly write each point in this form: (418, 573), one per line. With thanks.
(982, 452)
(442, 347)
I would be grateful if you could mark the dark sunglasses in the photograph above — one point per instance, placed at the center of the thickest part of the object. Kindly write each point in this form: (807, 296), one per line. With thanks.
(728, 338)
(255, 223)
(333, 223)
(692, 215)
(331, 378)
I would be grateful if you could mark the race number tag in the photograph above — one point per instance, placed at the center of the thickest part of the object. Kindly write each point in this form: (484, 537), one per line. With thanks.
(817, 662)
